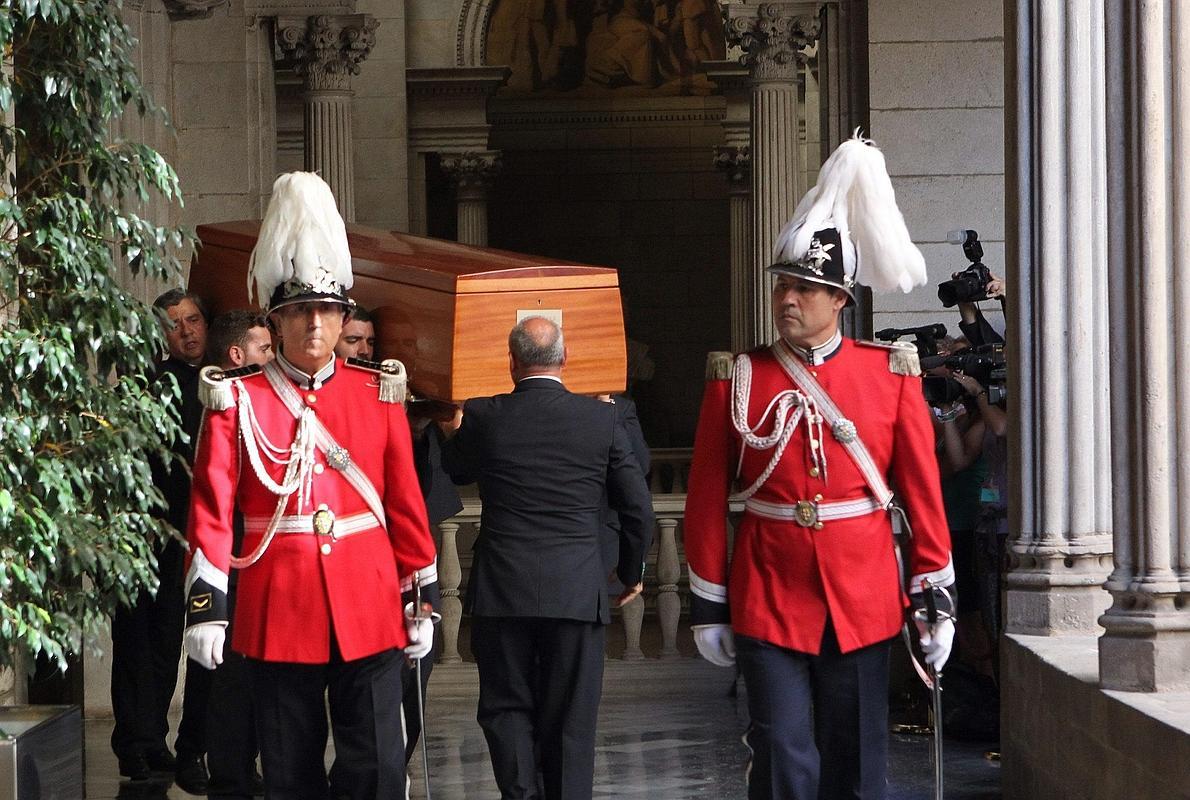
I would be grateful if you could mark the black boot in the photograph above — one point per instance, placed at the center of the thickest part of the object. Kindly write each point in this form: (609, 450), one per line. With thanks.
(135, 767)
(191, 774)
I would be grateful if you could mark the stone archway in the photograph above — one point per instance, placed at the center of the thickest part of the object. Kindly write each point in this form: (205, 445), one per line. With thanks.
(472, 33)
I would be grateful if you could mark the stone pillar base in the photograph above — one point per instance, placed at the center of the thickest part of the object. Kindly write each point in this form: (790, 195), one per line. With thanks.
(1046, 610)
(1145, 652)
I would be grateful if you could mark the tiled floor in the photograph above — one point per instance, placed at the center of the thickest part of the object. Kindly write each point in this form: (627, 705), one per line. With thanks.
(667, 730)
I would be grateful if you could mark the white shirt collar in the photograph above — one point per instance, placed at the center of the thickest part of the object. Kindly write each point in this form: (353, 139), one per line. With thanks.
(816, 356)
(544, 377)
(303, 379)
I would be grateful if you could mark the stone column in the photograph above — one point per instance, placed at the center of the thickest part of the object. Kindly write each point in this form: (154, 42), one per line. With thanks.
(1146, 643)
(326, 51)
(1060, 487)
(472, 173)
(737, 163)
(773, 37)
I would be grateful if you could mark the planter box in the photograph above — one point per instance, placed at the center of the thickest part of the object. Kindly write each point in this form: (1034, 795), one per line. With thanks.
(41, 753)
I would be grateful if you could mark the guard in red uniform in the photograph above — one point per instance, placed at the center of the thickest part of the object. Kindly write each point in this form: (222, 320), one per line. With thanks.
(812, 431)
(315, 453)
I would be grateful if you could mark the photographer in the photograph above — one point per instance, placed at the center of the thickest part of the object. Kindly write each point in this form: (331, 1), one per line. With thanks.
(975, 428)
(969, 286)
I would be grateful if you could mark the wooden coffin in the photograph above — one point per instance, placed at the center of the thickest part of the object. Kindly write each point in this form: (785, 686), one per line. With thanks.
(445, 309)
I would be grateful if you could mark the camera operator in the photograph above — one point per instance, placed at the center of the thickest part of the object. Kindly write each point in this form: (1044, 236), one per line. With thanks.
(975, 428)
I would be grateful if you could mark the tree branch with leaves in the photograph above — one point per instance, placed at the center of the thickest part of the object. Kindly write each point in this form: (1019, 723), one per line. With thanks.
(79, 515)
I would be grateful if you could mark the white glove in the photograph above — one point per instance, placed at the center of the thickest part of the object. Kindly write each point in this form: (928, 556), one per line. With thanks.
(716, 644)
(420, 631)
(204, 643)
(936, 641)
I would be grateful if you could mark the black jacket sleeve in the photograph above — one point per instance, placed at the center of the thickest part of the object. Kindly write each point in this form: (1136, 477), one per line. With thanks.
(460, 455)
(628, 495)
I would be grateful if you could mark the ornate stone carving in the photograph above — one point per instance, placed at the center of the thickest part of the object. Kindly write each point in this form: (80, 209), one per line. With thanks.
(327, 50)
(472, 172)
(190, 9)
(736, 162)
(773, 37)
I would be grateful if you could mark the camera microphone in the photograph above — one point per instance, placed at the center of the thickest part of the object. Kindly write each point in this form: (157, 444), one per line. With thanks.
(935, 331)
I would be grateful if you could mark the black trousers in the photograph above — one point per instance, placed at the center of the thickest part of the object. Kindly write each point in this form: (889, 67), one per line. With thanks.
(231, 720)
(365, 709)
(196, 696)
(409, 698)
(146, 647)
(819, 727)
(539, 686)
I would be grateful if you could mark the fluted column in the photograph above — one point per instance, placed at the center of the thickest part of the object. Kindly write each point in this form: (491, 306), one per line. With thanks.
(472, 174)
(1146, 644)
(773, 37)
(326, 51)
(737, 163)
(1060, 489)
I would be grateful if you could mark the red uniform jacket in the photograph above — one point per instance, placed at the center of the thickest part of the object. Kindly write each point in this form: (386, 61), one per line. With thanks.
(785, 580)
(305, 584)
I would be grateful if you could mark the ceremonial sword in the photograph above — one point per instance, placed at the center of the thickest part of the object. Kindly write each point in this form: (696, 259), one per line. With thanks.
(419, 614)
(935, 689)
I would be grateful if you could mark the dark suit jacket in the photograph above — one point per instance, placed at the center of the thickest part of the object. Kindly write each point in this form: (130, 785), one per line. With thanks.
(543, 458)
(440, 494)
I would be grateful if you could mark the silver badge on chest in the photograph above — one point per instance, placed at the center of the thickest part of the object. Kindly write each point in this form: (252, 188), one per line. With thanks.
(338, 458)
(844, 430)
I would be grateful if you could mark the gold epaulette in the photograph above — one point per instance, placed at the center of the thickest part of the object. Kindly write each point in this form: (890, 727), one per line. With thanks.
(719, 365)
(214, 385)
(391, 377)
(902, 356)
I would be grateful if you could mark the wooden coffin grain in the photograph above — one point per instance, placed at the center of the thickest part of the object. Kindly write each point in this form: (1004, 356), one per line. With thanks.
(445, 309)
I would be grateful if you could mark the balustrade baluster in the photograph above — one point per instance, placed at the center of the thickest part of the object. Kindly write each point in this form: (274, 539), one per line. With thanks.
(450, 574)
(669, 571)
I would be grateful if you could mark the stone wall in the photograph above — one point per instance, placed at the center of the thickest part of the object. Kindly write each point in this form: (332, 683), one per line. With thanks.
(379, 122)
(1073, 741)
(936, 73)
(223, 108)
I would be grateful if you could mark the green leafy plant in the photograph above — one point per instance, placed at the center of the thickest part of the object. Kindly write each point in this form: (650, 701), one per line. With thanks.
(78, 423)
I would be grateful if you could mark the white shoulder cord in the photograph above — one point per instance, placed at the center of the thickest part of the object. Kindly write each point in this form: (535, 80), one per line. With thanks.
(299, 474)
(791, 405)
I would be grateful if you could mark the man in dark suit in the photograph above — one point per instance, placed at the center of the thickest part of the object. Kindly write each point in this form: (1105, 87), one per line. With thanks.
(543, 458)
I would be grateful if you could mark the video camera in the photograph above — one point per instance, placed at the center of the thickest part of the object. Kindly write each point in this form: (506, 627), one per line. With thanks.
(925, 337)
(986, 364)
(970, 285)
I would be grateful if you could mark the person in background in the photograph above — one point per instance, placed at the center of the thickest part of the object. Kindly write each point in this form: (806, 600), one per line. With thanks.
(147, 638)
(358, 338)
(238, 338)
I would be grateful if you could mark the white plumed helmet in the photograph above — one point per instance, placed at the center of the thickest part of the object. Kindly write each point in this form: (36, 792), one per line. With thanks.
(301, 254)
(848, 229)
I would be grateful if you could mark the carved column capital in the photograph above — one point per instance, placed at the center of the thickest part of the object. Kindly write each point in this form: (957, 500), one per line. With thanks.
(186, 9)
(472, 172)
(326, 50)
(736, 162)
(774, 38)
